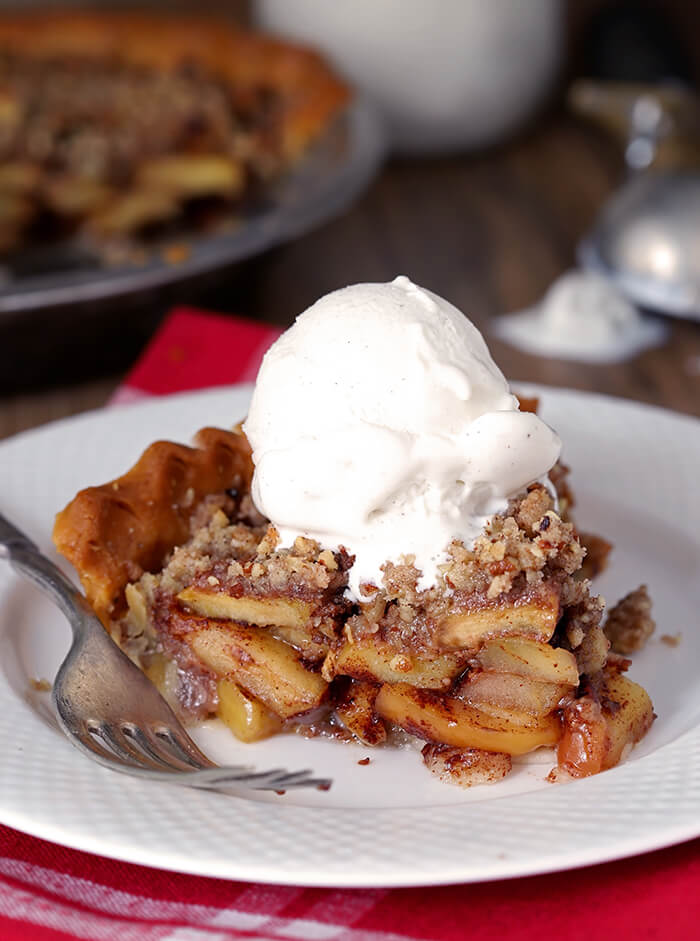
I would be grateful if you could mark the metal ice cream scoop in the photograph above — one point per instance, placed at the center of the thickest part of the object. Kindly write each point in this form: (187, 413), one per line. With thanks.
(647, 236)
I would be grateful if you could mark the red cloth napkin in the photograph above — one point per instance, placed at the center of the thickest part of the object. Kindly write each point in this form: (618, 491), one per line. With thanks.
(48, 892)
(196, 350)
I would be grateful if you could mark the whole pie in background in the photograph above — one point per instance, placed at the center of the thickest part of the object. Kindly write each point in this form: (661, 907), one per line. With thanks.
(113, 125)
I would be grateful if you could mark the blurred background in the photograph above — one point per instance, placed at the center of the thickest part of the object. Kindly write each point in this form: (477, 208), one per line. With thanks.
(494, 148)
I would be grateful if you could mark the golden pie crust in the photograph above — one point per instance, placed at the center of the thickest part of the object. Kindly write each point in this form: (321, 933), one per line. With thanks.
(311, 92)
(114, 533)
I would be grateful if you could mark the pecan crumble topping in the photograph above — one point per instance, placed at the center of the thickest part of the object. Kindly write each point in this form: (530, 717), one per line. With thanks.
(629, 624)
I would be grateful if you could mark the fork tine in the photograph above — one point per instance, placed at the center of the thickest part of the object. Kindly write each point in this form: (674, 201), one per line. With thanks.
(249, 776)
(152, 748)
(123, 746)
(289, 780)
(209, 779)
(84, 738)
(183, 747)
(275, 779)
(219, 778)
(297, 778)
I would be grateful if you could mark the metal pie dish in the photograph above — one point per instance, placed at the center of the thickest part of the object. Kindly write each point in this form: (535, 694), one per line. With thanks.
(646, 242)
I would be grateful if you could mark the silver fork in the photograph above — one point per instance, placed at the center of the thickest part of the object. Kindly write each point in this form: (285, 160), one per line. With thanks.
(111, 711)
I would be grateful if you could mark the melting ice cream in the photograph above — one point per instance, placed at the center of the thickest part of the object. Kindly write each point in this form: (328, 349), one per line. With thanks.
(380, 422)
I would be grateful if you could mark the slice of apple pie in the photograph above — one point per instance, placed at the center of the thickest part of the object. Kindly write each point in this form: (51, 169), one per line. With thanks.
(505, 653)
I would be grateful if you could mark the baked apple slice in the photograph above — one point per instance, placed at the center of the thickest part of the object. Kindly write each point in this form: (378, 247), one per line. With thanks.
(451, 721)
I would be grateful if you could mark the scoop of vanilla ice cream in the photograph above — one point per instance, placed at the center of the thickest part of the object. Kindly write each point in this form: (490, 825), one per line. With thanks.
(379, 422)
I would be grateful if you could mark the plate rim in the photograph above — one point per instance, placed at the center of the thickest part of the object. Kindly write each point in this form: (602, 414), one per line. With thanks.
(492, 872)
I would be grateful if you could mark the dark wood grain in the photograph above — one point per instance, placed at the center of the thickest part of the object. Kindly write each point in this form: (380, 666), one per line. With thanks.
(488, 232)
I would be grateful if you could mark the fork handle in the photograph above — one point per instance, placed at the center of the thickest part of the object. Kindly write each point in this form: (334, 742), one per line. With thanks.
(25, 557)
(11, 536)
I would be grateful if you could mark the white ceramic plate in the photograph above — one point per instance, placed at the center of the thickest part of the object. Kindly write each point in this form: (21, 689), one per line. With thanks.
(390, 822)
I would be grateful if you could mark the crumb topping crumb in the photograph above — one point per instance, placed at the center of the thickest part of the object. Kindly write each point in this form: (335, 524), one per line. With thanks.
(629, 624)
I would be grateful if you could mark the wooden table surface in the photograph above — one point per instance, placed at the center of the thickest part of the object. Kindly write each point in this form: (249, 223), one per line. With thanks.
(489, 233)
